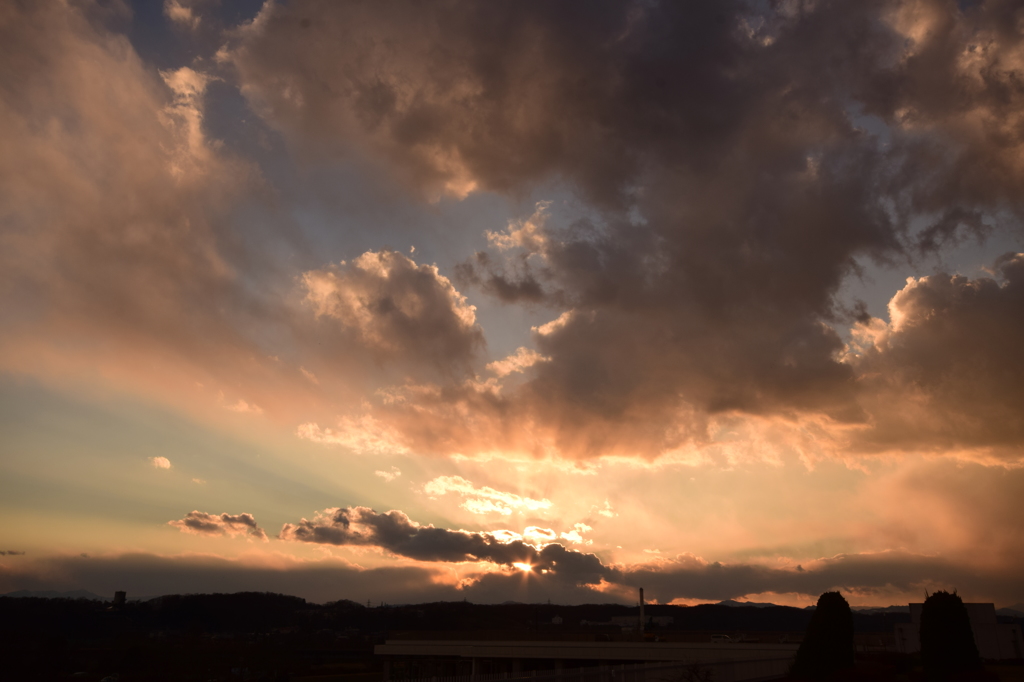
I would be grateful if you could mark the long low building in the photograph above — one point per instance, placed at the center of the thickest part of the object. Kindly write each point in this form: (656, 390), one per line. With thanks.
(482, 661)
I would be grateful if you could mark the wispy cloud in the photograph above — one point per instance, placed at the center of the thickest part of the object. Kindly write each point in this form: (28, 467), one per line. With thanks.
(388, 475)
(485, 499)
(519, 361)
(364, 434)
(245, 407)
(575, 535)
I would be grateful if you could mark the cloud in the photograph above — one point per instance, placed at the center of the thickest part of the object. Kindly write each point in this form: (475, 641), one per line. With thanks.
(151, 574)
(364, 434)
(539, 536)
(859, 577)
(181, 13)
(211, 525)
(519, 361)
(485, 499)
(554, 325)
(736, 162)
(160, 462)
(528, 235)
(575, 535)
(397, 309)
(388, 475)
(118, 215)
(11, 552)
(869, 575)
(245, 407)
(396, 533)
(721, 169)
(942, 374)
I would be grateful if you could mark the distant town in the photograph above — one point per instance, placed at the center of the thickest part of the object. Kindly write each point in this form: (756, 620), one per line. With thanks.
(264, 636)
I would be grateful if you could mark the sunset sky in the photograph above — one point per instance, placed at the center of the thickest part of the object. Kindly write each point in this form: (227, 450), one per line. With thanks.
(411, 301)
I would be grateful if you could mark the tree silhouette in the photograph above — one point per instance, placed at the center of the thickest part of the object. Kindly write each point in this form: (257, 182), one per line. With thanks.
(947, 641)
(828, 642)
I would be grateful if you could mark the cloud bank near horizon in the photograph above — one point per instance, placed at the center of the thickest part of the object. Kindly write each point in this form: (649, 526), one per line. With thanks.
(866, 579)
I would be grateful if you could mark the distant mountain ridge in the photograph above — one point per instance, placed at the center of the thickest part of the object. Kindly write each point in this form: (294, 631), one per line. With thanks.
(882, 609)
(861, 609)
(52, 594)
(1014, 611)
(755, 604)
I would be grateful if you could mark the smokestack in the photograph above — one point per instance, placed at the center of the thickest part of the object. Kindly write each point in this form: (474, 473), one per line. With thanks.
(643, 622)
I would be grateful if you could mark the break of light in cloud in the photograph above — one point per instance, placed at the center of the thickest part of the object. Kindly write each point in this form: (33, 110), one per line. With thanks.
(758, 273)
(485, 499)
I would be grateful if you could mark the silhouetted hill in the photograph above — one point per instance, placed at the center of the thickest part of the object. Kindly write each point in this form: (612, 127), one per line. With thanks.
(733, 602)
(175, 636)
(882, 609)
(261, 612)
(50, 594)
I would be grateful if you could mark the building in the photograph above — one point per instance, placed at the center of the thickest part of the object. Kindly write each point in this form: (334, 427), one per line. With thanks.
(995, 640)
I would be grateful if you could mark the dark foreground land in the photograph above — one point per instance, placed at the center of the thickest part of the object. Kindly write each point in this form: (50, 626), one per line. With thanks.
(253, 636)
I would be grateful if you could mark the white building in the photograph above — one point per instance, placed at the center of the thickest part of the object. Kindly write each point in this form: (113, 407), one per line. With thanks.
(994, 640)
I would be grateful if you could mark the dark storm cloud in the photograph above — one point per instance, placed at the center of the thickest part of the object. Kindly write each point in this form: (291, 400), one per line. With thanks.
(201, 523)
(395, 532)
(684, 577)
(398, 310)
(739, 161)
(502, 94)
(947, 372)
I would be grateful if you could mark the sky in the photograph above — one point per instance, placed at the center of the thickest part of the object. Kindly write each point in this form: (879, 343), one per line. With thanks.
(402, 302)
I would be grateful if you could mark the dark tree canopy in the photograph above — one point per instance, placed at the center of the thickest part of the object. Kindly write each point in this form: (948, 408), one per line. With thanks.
(828, 643)
(947, 642)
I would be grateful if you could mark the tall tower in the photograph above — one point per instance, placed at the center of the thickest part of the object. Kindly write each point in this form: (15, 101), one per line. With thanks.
(643, 622)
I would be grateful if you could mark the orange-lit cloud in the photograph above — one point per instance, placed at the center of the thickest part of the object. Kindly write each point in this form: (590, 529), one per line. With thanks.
(484, 499)
(398, 309)
(201, 523)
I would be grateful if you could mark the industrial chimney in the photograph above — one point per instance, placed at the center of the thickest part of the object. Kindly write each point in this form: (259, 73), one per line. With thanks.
(643, 622)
